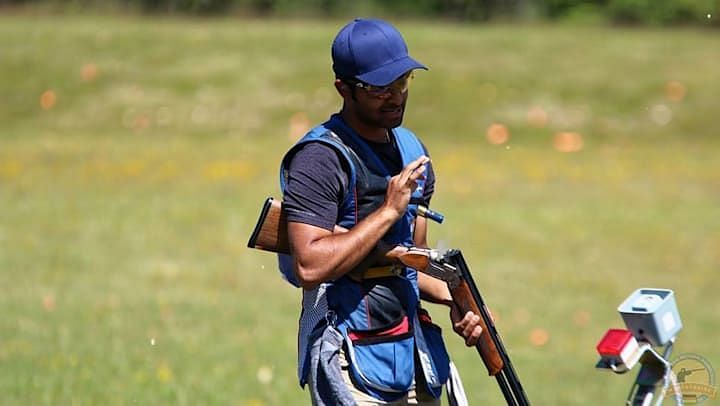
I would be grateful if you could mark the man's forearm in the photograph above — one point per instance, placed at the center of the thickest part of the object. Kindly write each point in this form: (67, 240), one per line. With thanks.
(331, 255)
(434, 290)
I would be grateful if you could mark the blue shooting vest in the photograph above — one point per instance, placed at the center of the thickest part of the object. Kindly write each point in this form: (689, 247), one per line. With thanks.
(378, 318)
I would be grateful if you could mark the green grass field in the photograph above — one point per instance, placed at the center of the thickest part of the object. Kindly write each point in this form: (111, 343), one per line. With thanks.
(135, 154)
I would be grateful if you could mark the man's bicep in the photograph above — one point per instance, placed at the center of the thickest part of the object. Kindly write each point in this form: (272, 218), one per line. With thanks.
(302, 235)
(308, 254)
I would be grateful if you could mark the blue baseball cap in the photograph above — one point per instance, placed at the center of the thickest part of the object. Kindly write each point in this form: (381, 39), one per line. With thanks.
(372, 51)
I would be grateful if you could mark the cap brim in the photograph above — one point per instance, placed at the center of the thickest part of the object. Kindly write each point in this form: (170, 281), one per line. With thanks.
(389, 73)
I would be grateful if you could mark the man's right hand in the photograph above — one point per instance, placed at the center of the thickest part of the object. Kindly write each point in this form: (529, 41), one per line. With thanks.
(401, 186)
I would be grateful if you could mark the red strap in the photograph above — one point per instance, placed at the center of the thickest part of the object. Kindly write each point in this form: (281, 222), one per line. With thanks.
(402, 328)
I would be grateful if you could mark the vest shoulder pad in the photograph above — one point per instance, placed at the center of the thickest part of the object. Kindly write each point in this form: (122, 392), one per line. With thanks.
(325, 137)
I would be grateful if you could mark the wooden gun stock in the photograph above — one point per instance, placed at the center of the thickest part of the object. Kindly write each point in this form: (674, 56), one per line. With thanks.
(270, 232)
(462, 298)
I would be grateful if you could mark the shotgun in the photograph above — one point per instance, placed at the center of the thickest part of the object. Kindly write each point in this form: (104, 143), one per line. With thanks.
(452, 268)
(270, 234)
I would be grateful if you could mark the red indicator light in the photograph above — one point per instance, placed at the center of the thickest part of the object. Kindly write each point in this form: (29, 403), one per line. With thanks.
(614, 342)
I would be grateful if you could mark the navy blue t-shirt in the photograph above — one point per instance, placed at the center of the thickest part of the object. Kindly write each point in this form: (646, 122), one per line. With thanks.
(318, 180)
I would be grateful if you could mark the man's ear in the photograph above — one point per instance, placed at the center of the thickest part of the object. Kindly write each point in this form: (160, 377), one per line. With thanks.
(342, 88)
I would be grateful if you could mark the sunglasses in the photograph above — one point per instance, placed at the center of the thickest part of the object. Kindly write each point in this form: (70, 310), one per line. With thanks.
(400, 85)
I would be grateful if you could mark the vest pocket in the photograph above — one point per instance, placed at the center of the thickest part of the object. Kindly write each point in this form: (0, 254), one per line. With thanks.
(382, 360)
(433, 356)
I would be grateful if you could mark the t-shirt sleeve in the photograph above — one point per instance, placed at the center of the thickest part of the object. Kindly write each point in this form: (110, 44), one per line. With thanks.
(315, 187)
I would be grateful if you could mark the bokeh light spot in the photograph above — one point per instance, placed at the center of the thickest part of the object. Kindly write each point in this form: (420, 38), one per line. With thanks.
(539, 337)
(537, 117)
(89, 72)
(48, 302)
(497, 134)
(265, 375)
(48, 99)
(141, 122)
(568, 141)
(675, 91)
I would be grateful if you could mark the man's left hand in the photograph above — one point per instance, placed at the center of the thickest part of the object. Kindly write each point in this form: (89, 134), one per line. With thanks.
(467, 325)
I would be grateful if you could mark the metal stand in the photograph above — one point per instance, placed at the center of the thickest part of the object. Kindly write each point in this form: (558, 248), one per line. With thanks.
(655, 368)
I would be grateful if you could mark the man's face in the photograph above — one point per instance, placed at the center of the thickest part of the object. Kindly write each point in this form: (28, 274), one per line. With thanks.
(380, 113)
(379, 109)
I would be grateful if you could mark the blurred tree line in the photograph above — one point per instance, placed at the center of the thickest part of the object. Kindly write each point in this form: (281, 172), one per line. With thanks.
(656, 12)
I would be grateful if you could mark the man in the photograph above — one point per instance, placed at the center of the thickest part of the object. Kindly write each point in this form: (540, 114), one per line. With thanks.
(351, 186)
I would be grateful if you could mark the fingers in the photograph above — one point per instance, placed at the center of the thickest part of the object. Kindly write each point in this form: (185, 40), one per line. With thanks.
(401, 186)
(422, 160)
(469, 328)
(413, 170)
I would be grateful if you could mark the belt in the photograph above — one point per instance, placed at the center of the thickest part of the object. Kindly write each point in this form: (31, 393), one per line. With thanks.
(376, 272)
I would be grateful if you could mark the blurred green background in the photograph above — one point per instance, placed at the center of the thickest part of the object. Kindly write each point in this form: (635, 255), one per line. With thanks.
(576, 162)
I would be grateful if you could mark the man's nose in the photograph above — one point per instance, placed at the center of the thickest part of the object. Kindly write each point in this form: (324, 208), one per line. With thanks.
(396, 96)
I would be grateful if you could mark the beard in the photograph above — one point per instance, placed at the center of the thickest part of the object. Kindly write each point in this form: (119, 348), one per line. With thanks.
(388, 115)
